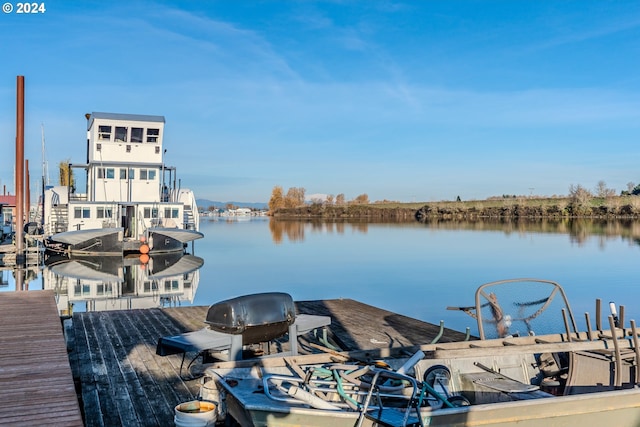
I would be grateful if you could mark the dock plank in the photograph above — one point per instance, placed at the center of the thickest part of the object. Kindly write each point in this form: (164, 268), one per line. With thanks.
(362, 326)
(36, 384)
(107, 411)
(84, 369)
(147, 370)
(165, 371)
(125, 385)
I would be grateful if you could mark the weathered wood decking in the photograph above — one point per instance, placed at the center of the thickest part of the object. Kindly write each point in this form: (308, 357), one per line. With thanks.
(124, 383)
(36, 387)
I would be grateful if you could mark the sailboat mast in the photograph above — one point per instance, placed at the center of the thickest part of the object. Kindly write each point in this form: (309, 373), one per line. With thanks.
(45, 168)
(42, 180)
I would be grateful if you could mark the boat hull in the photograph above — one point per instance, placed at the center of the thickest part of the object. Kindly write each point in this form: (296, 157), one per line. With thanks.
(162, 240)
(110, 241)
(619, 408)
(105, 241)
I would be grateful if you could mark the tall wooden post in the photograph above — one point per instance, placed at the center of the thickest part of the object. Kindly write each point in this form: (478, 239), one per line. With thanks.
(20, 256)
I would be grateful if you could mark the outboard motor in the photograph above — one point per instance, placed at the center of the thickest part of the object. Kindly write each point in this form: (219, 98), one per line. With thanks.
(257, 317)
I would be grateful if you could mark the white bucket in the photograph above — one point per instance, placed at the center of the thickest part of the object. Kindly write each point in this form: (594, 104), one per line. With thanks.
(195, 414)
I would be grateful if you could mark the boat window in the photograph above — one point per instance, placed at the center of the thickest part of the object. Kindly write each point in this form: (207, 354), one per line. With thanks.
(132, 174)
(79, 212)
(170, 285)
(101, 172)
(150, 286)
(136, 134)
(148, 174)
(103, 213)
(121, 134)
(104, 133)
(151, 212)
(171, 212)
(123, 174)
(110, 173)
(152, 135)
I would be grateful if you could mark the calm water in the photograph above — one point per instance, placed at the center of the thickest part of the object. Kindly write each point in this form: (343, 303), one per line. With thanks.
(415, 269)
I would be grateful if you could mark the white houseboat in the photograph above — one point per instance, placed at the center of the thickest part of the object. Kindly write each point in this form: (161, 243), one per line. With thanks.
(131, 202)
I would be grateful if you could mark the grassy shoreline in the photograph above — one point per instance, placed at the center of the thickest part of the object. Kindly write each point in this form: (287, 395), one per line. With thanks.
(618, 207)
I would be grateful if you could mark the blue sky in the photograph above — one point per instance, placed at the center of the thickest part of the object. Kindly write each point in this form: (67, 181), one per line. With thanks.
(402, 100)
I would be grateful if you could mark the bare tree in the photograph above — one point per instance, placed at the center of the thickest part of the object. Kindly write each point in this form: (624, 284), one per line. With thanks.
(329, 200)
(603, 191)
(630, 186)
(362, 199)
(66, 173)
(579, 195)
(340, 199)
(277, 199)
(294, 197)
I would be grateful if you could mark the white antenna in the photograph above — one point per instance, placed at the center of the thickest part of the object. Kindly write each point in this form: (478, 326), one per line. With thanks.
(45, 168)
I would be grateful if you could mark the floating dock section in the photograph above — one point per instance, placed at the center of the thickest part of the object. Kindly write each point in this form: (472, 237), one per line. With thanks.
(36, 385)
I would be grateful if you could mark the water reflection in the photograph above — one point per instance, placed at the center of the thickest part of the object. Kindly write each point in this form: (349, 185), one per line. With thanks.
(294, 229)
(114, 283)
(12, 278)
(579, 230)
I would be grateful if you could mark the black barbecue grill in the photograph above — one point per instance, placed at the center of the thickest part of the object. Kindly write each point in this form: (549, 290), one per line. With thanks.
(249, 319)
(257, 317)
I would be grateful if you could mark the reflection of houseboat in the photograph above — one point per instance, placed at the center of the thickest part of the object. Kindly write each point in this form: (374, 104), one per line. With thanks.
(131, 202)
(116, 283)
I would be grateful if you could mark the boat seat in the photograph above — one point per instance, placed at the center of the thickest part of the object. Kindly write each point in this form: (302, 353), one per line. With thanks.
(208, 339)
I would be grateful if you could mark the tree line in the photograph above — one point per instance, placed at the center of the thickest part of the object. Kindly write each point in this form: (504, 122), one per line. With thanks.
(295, 197)
(578, 195)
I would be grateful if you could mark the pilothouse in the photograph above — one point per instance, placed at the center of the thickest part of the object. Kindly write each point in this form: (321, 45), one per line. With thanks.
(131, 202)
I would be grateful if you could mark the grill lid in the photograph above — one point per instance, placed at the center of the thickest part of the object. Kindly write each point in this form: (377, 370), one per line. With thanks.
(258, 317)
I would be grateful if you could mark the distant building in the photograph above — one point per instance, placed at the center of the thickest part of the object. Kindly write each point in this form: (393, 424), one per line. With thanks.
(8, 210)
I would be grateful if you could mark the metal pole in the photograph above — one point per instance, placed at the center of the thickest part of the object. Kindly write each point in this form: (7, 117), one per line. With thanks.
(27, 191)
(162, 192)
(20, 258)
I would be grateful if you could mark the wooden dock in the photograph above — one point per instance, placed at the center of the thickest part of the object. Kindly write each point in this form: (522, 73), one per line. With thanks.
(36, 386)
(124, 383)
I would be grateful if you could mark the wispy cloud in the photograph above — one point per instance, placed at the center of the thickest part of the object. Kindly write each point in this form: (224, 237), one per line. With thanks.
(570, 29)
